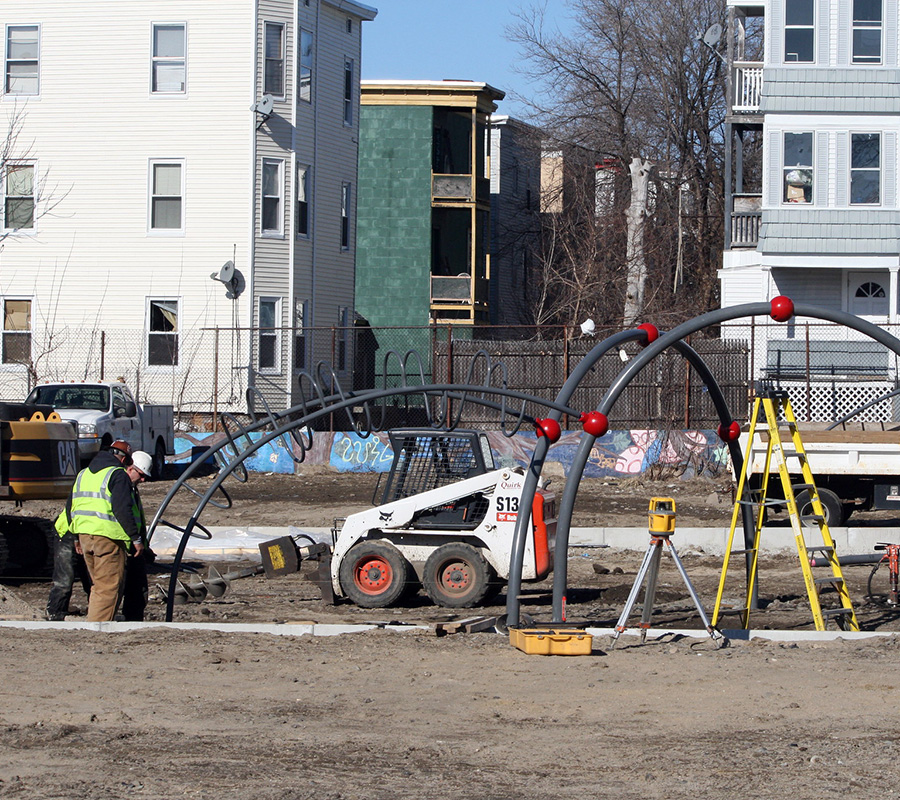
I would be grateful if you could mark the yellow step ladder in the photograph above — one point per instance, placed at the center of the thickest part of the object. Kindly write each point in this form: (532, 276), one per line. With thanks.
(771, 405)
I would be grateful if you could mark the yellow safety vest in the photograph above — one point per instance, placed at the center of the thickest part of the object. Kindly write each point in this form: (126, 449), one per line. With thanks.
(92, 511)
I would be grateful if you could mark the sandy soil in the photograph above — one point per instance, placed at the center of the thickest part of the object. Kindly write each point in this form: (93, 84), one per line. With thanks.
(388, 714)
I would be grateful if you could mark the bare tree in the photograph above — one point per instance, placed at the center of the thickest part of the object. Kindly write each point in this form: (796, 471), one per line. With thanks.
(28, 194)
(632, 81)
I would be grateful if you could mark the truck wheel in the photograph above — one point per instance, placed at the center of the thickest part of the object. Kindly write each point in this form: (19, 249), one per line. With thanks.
(375, 574)
(159, 461)
(831, 505)
(457, 576)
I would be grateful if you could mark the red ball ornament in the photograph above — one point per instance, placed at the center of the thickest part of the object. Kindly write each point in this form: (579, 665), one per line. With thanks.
(782, 308)
(652, 332)
(594, 423)
(548, 427)
(729, 433)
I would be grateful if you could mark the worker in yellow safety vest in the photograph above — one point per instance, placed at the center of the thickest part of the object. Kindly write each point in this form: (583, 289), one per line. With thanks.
(101, 514)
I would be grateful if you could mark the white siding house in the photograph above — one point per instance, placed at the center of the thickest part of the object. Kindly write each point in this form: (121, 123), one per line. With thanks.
(150, 145)
(811, 182)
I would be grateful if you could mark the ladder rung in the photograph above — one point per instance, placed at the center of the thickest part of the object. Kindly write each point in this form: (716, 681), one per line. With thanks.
(836, 612)
(741, 552)
(812, 518)
(819, 549)
(766, 503)
(832, 579)
(801, 486)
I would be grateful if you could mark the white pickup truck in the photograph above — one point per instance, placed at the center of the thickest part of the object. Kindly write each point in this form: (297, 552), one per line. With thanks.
(854, 469)
(106, 411)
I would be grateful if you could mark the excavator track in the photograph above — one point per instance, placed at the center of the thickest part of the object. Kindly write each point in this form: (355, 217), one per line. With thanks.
(27, 545)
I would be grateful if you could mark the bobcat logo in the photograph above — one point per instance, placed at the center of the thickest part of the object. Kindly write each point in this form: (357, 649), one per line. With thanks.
(67, 459)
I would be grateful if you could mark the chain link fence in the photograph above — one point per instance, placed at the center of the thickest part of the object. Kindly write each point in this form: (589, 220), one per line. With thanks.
(829, 370)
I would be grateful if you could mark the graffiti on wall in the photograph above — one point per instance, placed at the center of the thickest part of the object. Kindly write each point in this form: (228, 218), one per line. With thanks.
(616, 454)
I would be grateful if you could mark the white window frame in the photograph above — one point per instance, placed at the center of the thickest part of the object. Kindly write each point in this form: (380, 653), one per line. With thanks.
(12, 364)
(346, 201)
(786, 169)
(274, 233)
(156, 60)
(877, 169)
(861, 26)
(302, 188)
(267, 89)
(805, 27)
(306, 65)
(10, 168)
(7, 61)
(273, 333)
(152, 196)
(179, 311)
(348, 90)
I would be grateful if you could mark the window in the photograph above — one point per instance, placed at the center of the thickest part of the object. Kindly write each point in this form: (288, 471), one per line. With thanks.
(22, 59)
(798, 170)
(865, 168)
(18, 197)
(271, 197)
(273, 81)
(348, 91)
(168, 72)
(306, 65)
(799, 31)
(343, 336)
(166, 196)
(268, 333)
(349, 25)
(162, 333)
(17, 331)
(303, 201)
(299, 334)
(345, 216)
(867, 18)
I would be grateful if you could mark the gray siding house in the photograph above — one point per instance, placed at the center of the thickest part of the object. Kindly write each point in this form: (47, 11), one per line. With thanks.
(811, 181)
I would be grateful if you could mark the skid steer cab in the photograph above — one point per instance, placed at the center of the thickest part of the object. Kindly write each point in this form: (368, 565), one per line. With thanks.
(444, 523)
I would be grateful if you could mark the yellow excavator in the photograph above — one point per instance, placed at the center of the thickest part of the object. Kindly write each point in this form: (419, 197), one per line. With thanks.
(38, 461)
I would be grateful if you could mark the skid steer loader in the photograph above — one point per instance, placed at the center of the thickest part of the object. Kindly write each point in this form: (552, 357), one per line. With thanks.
(445, 521)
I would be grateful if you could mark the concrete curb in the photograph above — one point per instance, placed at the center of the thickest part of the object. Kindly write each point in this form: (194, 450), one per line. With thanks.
(315, 629)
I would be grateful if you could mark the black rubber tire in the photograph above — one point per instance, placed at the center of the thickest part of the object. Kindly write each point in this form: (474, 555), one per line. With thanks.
(831, 505)
(375, 574)
(159, 461)
(458, 576)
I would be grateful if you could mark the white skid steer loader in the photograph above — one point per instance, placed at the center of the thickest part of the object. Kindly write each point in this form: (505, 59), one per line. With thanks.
(445, 522)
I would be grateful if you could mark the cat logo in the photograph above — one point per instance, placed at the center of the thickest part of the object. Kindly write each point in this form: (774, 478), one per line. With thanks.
(68, 460)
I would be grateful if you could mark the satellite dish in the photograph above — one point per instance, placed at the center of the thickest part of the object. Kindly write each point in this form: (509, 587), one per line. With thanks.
(226, 274)
(264, 105)
(713, 35)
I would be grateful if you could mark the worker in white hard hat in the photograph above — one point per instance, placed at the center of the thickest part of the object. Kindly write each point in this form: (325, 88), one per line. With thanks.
(134, 594)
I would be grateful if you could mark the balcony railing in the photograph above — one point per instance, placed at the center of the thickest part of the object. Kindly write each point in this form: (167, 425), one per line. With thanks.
(451, 289)
(745, 219)
(451, 187)
(748, 77)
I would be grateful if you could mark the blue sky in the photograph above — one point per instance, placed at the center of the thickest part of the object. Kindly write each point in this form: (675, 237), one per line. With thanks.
(438, 39)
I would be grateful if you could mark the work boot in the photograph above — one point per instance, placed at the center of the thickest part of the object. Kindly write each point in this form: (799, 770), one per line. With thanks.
(56, 617)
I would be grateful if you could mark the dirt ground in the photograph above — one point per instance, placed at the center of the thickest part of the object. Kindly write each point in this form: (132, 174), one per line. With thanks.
(388, 714)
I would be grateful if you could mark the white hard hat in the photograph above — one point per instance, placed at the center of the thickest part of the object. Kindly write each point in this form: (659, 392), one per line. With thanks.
(142, 462)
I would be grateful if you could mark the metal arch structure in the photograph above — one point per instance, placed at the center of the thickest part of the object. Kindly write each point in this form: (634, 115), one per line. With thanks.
(295, 422)
(780, 308)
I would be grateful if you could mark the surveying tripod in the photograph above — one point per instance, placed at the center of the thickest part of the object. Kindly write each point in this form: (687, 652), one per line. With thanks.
(662, 526)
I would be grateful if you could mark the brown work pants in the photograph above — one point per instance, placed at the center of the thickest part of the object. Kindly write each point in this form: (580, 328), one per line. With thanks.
(105, 559)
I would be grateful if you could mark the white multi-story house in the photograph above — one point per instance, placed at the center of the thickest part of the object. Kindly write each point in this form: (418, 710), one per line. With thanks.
(814, 212)
(178, 166)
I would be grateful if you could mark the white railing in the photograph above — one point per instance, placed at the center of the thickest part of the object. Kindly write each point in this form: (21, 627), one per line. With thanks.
(748, 78)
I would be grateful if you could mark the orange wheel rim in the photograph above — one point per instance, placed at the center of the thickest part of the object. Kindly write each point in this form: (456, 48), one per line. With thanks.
(372, 575)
